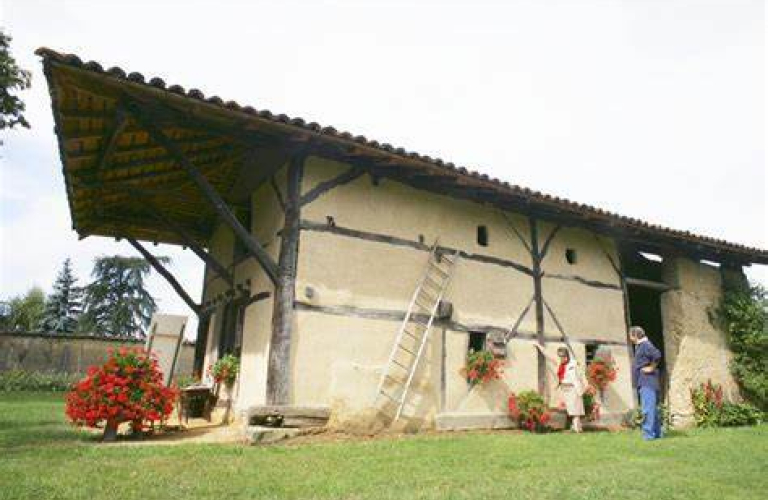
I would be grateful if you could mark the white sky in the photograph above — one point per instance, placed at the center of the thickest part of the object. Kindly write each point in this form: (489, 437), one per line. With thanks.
(654, 109)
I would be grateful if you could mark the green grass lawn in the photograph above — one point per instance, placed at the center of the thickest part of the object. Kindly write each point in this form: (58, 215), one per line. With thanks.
(41, 457)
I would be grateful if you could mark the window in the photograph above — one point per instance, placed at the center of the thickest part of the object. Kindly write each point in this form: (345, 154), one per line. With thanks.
(482, 236)
(477, 341)
(590, 350)
(570, 255)
(231, 334)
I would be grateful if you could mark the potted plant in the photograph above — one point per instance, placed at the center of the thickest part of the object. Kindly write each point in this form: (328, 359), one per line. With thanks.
(482, 366)
(601, 371)
(224, 372)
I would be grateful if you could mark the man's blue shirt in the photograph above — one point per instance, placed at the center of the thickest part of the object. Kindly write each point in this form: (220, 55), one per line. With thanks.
(645, 354)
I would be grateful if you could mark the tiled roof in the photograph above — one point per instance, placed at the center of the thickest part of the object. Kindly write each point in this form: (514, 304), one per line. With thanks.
(300, 125)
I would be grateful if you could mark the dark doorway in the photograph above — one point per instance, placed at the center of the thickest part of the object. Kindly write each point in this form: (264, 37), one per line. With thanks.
(645, 303)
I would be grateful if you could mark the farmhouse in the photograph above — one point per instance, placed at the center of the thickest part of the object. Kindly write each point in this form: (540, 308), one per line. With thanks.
(354, 277)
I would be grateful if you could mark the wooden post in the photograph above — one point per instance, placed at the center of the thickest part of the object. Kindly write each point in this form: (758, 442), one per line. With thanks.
(166, 274)
(219, 205)
(279, 364)
(536, 256)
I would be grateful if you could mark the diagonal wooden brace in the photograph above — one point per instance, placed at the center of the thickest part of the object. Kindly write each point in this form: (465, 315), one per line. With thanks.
(222, 210)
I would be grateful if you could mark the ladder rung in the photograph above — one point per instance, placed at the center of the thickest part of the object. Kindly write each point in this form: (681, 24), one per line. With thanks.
(406, 350)
(400, 365)
(410, 334)
(437, 268)
(389, 396)
(427, 295)
(432, 282)
(393, 379)
(428, 307)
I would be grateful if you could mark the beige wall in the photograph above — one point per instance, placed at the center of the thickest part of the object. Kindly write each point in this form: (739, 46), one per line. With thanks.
(337, 360)
(266, 222)
(695, 344)
(339, 348)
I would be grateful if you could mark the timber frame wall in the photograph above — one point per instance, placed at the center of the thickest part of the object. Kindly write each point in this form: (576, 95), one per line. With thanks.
(288, 301)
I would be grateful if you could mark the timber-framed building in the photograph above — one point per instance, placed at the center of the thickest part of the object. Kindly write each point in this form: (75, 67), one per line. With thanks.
(315, 241)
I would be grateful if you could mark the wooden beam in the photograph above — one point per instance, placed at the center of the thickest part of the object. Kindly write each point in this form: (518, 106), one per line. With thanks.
(187, 238)
(279, 362)
(653, 285)
(344, 178)
(222, 210)
(165, 274)
(110, 141)
(541, 362)
(548, 241)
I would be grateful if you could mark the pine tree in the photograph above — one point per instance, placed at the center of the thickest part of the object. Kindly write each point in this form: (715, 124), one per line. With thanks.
(117, 302)
(63, 306)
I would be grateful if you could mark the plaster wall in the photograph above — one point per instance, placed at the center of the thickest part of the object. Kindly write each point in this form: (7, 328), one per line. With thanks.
(695, 344)
(338, 357)
(266, 222)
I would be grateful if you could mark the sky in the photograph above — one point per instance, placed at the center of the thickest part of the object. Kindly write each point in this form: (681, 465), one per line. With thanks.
(653, 109)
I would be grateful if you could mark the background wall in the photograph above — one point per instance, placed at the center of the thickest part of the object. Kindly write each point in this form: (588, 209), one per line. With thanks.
(69, 353)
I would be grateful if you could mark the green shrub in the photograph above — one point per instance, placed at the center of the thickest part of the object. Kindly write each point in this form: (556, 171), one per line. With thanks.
(21, 380)
(738, 414)
(711, 410)
(744, 312)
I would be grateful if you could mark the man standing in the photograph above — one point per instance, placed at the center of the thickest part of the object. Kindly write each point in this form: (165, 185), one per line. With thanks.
(645, 370)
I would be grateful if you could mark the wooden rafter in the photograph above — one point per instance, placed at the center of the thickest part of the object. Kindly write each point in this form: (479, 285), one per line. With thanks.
(221, 208)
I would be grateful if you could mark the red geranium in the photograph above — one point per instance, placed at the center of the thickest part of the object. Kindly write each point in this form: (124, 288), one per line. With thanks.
(601, 371)
(482, 367)
(529, 411)
(127, 388)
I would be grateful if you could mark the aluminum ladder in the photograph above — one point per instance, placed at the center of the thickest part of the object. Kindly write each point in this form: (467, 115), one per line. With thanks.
(411, 340)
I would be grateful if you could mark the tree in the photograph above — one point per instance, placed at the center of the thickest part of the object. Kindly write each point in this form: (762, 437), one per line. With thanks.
(25, 312)
(745, 313)
(12, 79)
(117, 302)
(64, 305)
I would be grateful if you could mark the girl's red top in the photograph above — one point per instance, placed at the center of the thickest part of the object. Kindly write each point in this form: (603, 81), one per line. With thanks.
(561, 371)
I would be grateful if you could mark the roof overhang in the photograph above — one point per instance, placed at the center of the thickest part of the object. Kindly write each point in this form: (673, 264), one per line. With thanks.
(118, 179)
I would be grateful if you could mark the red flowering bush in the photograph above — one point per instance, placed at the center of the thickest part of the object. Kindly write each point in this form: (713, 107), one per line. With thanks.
(482, 367)
(529, 411)
(601, 371)
(127, 388)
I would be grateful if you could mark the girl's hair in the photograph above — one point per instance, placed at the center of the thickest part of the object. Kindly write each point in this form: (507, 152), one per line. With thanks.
(564, 351)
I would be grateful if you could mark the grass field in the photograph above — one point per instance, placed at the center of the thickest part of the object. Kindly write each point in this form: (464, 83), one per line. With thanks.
(41, 457)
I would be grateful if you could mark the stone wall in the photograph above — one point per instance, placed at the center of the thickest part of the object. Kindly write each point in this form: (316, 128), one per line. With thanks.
(695, 344)
(68, 353)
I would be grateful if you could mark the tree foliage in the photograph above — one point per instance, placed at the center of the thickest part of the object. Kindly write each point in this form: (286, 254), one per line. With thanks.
(744, 312)
(117, 302)
(24, 312)
(64, 305)
(12, 79)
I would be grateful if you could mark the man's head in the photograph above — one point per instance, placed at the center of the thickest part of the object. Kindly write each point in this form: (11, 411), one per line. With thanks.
(636, 334)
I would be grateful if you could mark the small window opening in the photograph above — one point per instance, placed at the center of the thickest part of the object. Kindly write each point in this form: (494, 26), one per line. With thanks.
(421, 239)
(570, 256)
(330, 221)
(590, 351)
(482, 236)
(477, 341)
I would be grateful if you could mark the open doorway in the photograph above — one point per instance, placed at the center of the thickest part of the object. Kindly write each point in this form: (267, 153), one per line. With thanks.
(644, 289)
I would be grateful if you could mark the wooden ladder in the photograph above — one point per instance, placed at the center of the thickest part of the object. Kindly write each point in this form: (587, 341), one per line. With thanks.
(411, 339)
